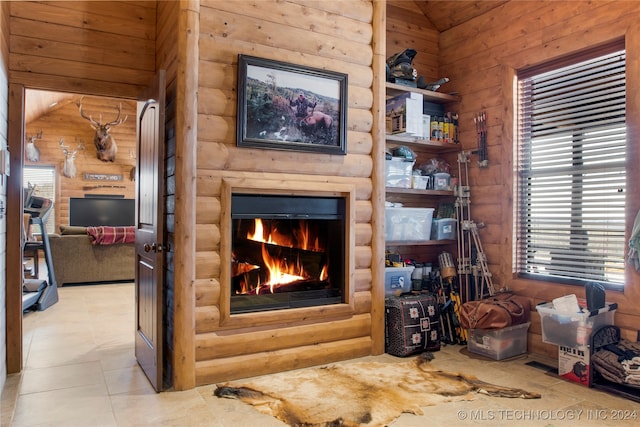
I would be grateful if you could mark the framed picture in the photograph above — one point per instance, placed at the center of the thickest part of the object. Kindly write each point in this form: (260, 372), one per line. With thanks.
(290, 107)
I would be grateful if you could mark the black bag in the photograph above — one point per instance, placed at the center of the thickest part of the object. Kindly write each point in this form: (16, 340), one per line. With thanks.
(412, 324)
(595, 296)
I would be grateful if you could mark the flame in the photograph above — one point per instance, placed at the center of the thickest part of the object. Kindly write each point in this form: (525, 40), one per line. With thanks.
(282, 270)
(324, 274)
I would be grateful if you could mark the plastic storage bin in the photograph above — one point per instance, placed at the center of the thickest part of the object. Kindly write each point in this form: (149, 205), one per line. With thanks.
(499, 344)
(444, 229)
(441, 181)
(397, 280)
(420, 182)
(408, 224)
(398, 172)
(572, 330)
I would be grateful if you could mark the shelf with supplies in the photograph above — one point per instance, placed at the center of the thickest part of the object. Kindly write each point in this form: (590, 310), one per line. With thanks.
(413, 228)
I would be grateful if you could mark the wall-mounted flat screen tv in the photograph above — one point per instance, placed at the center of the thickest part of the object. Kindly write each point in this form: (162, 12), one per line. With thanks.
(97, 211)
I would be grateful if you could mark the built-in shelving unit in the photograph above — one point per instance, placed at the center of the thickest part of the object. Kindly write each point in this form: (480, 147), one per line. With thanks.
(422, 146)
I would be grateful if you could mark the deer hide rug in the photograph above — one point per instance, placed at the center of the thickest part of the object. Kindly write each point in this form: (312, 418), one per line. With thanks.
(359, 393)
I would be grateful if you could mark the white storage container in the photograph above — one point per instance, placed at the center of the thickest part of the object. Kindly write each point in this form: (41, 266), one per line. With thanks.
(398, 172)
(499, 344)
(572, 330)
(397, 280)
(408, 224)
(420, 182)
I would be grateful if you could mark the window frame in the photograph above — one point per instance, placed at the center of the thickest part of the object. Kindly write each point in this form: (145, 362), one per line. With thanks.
(519, 231)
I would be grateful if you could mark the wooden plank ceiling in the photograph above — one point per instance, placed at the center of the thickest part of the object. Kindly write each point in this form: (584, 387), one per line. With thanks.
(447, 14)
(443, 15)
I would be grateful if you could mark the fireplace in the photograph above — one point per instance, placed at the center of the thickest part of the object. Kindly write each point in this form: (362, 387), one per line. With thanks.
(287, 251)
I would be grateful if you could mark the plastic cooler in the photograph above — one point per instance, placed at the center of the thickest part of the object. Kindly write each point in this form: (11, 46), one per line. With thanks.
(572, 330)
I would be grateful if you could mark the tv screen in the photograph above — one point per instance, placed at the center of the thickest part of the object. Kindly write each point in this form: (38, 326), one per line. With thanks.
(96, 211)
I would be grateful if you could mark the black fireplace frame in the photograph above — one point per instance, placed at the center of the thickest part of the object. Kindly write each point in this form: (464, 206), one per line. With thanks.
(308, 188)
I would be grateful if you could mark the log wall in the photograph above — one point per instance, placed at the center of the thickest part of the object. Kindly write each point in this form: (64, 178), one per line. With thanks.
(105, 48)
(332, 35)
(481, 57)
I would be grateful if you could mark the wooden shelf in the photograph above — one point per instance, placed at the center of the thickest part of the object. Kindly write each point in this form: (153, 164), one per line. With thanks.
(419, 242)
(423, 146)
(418, 192)
(422, 142)
(394, 89)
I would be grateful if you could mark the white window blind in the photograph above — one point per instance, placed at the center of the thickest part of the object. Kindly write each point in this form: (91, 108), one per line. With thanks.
(571, 173)
(44, 180)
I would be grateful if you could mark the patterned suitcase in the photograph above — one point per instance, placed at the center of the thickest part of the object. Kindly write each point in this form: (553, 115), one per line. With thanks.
(412, 324)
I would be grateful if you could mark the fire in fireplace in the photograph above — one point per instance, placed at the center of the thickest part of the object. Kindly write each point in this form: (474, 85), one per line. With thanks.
(287, 252)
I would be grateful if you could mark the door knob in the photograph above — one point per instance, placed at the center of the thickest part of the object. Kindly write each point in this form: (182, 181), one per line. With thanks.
(155, 247)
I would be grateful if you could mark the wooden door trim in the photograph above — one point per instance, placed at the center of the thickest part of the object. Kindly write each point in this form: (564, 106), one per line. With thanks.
(184, 359)
(15, 138)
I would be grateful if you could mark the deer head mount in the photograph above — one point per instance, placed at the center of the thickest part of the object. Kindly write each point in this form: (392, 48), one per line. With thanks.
(31, 151)
(69, 166)
(105, 144)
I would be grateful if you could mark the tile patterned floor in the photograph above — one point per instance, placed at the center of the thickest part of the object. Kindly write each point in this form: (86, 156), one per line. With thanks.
(80, 370)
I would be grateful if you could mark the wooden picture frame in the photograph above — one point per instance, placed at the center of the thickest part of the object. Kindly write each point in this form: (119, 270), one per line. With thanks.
(284, 106)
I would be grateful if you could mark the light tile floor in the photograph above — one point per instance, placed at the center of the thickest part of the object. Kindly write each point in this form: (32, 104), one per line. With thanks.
(80, 370)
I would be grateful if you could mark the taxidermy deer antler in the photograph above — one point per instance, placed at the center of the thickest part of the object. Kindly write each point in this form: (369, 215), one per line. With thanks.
(69, 166)
(31, 151)
(105, 144)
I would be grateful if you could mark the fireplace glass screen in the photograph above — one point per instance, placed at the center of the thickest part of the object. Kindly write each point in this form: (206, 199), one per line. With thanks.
(287, 252)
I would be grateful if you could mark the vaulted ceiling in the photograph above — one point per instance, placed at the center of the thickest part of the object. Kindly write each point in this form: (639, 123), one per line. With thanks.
(444, 15)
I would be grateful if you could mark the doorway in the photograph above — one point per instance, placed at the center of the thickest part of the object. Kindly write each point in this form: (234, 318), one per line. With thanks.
(55, 130)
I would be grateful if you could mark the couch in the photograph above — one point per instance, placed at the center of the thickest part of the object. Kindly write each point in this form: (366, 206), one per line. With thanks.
(76, 260)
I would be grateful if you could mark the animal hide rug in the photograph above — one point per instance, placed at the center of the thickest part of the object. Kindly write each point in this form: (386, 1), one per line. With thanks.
(359, 393)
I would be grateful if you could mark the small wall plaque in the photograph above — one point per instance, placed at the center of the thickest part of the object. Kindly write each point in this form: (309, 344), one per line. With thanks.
(102, 177)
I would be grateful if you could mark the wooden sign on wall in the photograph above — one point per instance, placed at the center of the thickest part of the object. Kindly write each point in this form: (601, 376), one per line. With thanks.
(102, 177)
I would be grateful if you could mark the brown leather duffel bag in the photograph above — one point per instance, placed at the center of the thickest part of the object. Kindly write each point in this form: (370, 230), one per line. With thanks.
(496, 312)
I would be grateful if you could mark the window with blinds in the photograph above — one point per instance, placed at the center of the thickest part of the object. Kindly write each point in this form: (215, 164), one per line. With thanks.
(571, 173)
(44, 180)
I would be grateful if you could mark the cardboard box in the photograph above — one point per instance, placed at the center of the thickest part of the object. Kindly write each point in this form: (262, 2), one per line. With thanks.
(574, 364)
(404, 114)
(499, 344)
